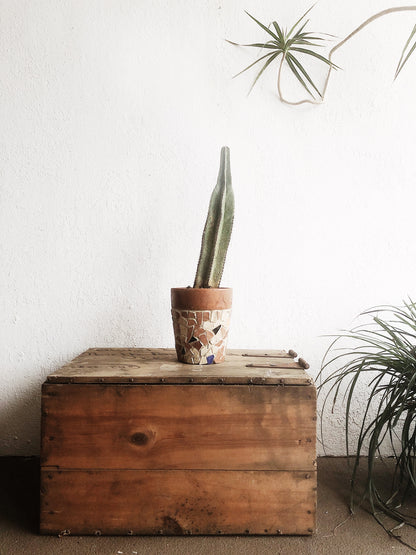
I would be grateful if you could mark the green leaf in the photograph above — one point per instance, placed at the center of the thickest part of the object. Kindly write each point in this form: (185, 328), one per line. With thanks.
(299, 32)
(296, 74)
(254, 63)
(269, 61)
(279, 32)
(316, 55)
(270, 44)
(263, 27)
(301, 41)
(401, 62)
(302, 69)
(299, 20)
(309, 36)
(385, 350)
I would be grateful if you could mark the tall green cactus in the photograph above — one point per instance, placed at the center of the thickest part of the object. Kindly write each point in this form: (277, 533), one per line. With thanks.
(217, 231)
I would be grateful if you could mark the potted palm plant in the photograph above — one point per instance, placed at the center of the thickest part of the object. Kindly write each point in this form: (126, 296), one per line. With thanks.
(383, 351)
(201, 314)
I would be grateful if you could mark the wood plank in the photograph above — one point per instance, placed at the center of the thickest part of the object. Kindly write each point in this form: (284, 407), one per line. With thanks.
(157, 351)
(177, 502)
(179, 427)
(161, 366)
(168, 373)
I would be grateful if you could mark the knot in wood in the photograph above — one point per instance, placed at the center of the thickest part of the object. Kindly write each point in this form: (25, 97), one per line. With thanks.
(139, 438)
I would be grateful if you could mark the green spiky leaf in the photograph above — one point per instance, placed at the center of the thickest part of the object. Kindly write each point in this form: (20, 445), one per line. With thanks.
(269, 61)
(292, 61)
(382, 355)
(404, 59)
(254, 63)
(263, 27)
(315, 55)
(286, 43)
(299, 20)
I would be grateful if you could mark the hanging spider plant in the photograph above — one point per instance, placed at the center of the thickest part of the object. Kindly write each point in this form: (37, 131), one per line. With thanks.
(384, 350)
(288, 45)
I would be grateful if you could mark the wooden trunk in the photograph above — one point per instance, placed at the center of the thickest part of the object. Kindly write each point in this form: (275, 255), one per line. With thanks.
(134, 442)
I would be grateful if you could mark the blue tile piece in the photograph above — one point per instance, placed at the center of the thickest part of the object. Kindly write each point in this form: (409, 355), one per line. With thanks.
(210, 359)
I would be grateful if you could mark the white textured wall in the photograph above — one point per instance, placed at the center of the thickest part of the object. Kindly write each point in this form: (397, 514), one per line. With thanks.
(112, 117)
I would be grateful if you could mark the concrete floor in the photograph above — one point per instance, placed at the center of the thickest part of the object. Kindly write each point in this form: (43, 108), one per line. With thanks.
(337, 532)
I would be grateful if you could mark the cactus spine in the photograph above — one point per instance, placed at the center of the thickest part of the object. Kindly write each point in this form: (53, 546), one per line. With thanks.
(218, 226)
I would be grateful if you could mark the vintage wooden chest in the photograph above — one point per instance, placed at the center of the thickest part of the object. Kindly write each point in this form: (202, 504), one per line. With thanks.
(134, 442)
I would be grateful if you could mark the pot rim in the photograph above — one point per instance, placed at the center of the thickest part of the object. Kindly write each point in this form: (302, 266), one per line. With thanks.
(200, 288)
(201, 298)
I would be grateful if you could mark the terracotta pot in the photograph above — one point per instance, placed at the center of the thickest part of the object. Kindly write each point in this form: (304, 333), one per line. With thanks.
(201, 319)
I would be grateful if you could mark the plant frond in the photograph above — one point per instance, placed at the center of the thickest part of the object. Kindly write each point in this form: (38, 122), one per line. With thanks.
(279, 32)
(289, 60)
(402, 62)
(384, 350)
(269, 61)
(316, 55)
(304, 72)
(264, 27)
(299, 20)
(269, 44)
(287, 42)
(254, 63)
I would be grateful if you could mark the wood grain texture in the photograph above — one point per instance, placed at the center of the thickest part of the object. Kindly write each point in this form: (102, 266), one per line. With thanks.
(134, 442)
(177, 502)
(161, 366)
(178, 427)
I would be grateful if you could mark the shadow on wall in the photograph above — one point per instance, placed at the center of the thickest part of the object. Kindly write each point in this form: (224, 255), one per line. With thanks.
(19, 493)
(20, 422)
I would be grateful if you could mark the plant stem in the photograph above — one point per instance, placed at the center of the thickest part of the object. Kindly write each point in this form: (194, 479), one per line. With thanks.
(357, 30)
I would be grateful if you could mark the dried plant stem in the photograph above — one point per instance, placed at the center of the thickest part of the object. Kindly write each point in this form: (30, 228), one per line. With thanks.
(336, 47)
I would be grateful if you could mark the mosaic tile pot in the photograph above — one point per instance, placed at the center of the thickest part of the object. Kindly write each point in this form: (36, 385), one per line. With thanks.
(201, 319)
